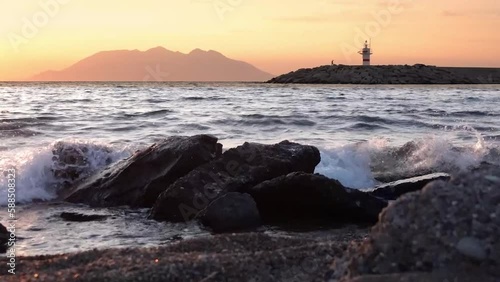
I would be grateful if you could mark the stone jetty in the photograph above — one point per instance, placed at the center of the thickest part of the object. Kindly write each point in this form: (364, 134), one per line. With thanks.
(390, 74)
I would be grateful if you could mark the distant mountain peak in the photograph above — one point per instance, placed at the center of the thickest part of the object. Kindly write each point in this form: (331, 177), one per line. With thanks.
(202, 53)
(159, 51)
(157, 64)
(197, 51)
(158, 48)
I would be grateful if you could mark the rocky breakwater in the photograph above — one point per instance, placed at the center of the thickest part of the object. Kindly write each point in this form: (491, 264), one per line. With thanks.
(390, 74)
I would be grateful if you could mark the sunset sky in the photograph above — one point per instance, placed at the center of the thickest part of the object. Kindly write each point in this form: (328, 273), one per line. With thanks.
(276, 36)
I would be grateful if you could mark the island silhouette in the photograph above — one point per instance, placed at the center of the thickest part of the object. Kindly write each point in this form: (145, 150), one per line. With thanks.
(156, 64)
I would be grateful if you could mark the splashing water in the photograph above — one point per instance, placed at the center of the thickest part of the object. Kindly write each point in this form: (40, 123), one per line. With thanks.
(366, 164)
(350, 164)
(41, 172)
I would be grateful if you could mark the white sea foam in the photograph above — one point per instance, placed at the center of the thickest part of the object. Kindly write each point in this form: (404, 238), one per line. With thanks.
(35, 179)
(350, 164)
(359, 165)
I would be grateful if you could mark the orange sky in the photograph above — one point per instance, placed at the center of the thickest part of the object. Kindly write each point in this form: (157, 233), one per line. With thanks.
(276, 36)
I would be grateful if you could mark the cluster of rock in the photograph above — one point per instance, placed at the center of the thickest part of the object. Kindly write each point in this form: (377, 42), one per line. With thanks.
(389, 74)
(190, 178)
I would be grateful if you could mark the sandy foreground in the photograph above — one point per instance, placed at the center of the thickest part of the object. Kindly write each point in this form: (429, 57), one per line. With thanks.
(230, 257)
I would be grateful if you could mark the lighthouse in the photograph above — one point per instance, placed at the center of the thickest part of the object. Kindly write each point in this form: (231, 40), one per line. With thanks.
(366, 53)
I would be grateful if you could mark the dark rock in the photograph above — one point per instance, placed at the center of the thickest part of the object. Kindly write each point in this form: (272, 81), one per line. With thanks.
(393, 190)
(368, 207)
(237, 170)
(313, 196)
(4, 238)
(78, 217)
(231, 212)
(138, 180)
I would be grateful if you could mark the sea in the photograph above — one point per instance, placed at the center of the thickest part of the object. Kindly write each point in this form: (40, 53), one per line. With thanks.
(367, 134)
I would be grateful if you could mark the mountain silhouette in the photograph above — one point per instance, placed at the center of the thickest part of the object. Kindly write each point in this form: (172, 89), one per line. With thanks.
(156, 64)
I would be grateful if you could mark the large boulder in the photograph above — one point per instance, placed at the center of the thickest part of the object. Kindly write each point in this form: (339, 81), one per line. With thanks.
(237, 170)
(313, 196)
(138, 180)
(231, 212)
(446, 226)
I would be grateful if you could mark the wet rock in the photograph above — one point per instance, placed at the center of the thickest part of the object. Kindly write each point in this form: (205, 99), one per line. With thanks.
(445, 226)
(4, 238)
(231, 212)
(79, 217)
(138, 180)
(237, 170)
(394, 190)
(300, 195)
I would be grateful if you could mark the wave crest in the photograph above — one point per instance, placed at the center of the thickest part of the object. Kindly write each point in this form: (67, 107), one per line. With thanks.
(42, 172)
(366, 164)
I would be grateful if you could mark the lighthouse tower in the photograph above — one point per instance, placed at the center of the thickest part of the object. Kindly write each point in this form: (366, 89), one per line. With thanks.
(366, 52)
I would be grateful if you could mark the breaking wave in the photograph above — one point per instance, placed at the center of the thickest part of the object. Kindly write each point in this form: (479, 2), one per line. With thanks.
(367, 164)
(42, 172)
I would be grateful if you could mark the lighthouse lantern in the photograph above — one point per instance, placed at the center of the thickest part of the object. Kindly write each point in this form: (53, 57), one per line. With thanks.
(366, 53)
